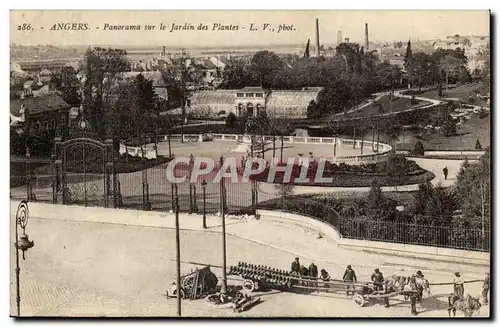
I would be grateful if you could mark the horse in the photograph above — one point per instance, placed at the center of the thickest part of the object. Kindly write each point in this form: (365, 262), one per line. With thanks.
(397, 284)
(467, 305)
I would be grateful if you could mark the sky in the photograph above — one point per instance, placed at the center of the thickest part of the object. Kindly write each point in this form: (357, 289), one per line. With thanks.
(383, 26)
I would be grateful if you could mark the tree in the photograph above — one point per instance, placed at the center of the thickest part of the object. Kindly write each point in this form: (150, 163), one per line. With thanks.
(388, 76)
(68, 84)
(237, 75)
(434, 204)
(335, 97)
(472, 190)
(231, 120)
(422, 69)
(409, 64)
(134, 112)
(181, 78)
(449, 127)
(393, 130)
(312, 110)
(418, 149)
(103, 69)
(396, 168)
(266, 64)
(282, 128)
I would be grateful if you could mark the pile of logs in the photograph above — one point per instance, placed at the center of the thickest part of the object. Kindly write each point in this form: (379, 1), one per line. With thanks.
(263, 274)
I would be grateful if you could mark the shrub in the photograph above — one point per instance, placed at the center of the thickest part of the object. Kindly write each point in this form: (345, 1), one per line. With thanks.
(418, 149)
(231, 120)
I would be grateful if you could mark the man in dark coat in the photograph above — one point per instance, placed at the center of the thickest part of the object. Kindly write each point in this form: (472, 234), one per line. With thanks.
(296, 266)
(412, 286)
(378, 280)
(313, 270)
(486, 288)
(445, 173)
(349, 277)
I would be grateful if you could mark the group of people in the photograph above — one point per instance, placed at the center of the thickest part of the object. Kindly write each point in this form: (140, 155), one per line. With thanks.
(312, 271)
(380, 284)
(458, 287)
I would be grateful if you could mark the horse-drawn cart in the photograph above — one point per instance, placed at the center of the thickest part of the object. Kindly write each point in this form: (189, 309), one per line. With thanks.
(196, 284)
(364, 294)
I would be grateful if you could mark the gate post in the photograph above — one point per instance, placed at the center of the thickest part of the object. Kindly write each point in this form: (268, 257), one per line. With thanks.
(60, 171)
(109, 189)
(54, 177)
(29, 191)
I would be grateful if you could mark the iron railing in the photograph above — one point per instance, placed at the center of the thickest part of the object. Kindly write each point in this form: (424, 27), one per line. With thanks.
(149, 189)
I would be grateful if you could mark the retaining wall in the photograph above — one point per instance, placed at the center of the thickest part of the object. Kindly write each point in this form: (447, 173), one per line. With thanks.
(160, 219)
(383, 150)
(406, 250)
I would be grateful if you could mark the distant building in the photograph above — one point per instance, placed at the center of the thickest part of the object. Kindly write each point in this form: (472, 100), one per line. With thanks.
(398, 61)
(45, 75)
(41, 113)
(291, 104)
(159, 85)
(220, 62)
(208, 70)
(251, 101)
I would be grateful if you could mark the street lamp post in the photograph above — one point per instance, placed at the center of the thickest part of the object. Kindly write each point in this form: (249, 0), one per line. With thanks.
(178, 254)
(223, 289)
(204, 188)
(21, 243)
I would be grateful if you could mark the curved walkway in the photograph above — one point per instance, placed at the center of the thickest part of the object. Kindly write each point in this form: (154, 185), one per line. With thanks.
(433, 165)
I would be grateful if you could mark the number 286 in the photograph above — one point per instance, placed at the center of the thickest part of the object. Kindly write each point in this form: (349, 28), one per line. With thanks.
(24, 27)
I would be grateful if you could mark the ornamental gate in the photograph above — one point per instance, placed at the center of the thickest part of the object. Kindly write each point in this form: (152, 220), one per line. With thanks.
(84, 172)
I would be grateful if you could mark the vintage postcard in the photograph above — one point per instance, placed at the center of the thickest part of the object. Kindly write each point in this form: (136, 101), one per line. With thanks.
(250, 164)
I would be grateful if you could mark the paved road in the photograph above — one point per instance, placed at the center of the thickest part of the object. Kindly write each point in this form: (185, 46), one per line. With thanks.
(102, 269)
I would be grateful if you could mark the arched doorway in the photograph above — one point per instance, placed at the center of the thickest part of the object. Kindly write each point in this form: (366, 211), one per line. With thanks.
(240, 110)
(86, 172)
(250, 109)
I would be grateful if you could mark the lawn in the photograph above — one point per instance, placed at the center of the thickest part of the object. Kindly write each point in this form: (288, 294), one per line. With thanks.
(463, 92)
(468, 133)
(388, 106)
(344, 179)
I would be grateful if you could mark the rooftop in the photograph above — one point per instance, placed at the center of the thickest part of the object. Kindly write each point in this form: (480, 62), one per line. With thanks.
(36, 105)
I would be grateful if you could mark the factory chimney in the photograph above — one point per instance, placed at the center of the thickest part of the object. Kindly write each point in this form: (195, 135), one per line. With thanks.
(339, 37)
(317, 37)
(367, 44)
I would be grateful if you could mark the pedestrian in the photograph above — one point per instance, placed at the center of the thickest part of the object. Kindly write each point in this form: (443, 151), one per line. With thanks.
(412, 286)
(458, 285)
(304, 271)
(420, 288)
(296, 265)
(378, 280)
(325, 276)
(349, 277)
(445, 173)
(313, 270)
(486, 288)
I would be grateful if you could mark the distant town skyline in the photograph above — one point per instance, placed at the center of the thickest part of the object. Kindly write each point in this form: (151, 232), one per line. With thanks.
(384, 26)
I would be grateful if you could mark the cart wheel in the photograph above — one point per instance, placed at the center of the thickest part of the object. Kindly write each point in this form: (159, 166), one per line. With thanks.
(248, 285)
(358, 299)
(174, 293)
